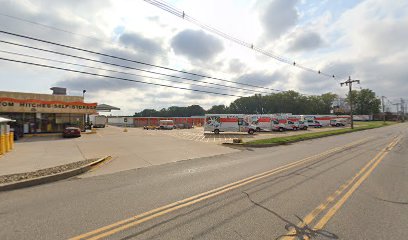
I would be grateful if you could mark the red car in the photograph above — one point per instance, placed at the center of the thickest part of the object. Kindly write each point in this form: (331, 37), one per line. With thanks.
(71, 132)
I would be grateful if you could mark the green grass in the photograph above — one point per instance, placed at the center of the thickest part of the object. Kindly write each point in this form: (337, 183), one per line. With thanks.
(358, 126)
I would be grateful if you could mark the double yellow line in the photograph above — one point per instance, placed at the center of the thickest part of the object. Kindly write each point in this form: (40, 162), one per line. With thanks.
(352, 185)
(144, 217)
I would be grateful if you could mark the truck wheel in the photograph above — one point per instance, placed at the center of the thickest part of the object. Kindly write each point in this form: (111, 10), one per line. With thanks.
(295, 129)
(251, 131)
(281, 129)
(305, 128)
(216, 131)
(258, 129)
(337, 125)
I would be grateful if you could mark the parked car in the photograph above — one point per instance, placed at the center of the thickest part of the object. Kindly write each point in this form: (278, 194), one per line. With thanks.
(183, 126)
(149, 127)
(71, 132)
(338, 122)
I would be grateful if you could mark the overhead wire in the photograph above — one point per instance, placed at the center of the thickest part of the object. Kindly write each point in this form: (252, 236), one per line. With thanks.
(109, 70)
(155, 53)
(117, 78)
(131, 60)
(128, 67)
(166, 7)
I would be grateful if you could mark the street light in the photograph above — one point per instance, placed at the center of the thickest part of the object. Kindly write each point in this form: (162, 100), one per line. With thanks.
(85, 116)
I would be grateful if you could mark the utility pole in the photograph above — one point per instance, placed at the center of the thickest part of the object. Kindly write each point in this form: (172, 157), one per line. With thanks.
(349, 83)
(397, 105)
(383, 107)
(402, 109)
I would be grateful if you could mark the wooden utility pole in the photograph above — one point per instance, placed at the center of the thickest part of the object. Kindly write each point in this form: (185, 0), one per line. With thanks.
(349, 83)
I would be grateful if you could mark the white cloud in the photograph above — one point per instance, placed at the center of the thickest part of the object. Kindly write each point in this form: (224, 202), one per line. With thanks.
(365, 40)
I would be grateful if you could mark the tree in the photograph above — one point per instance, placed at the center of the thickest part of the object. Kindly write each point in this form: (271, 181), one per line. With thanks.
(364, 102)
(218, 109)
(194, 110)
(147, 113)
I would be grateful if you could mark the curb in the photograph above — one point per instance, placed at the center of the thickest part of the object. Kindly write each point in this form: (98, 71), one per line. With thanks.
(52, 178)
(244, 145)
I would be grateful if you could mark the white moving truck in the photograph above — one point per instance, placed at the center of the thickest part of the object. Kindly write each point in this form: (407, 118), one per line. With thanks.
(217, 123)
(99, 121)
(261, 122)
(166, 124)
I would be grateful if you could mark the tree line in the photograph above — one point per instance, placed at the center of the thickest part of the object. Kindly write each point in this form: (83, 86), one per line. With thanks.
(364, 102)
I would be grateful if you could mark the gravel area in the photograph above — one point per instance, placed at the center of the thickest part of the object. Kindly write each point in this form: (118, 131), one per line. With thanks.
(42, 172)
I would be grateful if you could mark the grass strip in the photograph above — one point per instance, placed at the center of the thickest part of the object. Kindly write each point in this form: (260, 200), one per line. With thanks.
(289, 139)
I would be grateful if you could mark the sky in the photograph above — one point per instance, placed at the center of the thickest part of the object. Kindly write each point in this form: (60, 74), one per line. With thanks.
(366, 40)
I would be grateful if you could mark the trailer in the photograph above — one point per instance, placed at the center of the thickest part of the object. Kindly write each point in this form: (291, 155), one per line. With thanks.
(217, 123)
(99, 121)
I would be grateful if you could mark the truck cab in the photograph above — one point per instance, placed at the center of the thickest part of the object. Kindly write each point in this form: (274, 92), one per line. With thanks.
(291, 125)
(303, 125)
(338, 122)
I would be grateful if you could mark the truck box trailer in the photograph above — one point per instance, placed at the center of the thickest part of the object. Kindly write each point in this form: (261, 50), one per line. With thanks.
(217, 123)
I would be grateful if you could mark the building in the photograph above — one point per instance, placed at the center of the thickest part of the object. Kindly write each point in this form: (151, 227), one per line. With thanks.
(154, 121)
(44, 113)
(131, 121)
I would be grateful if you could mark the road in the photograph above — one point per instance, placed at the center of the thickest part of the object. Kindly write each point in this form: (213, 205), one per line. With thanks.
(351, 186)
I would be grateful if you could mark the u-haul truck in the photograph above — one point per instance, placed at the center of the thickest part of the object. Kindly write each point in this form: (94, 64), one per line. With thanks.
(323, 120)
(261, 122)
(275, 122)
(217, 123)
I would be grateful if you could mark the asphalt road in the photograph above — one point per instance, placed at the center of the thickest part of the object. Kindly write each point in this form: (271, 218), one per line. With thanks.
(350, 186)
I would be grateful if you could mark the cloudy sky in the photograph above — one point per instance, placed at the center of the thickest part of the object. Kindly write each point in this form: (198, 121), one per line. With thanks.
(364, 39)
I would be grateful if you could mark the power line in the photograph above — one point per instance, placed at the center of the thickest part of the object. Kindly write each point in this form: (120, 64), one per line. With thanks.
(164, 6)
(113, 77)
(110, 70)
(126, 67)
(88, 36)
(130, 60)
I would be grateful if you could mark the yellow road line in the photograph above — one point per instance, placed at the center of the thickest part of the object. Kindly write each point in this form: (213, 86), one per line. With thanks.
(200, 197)
(321, 207)
(346, 196)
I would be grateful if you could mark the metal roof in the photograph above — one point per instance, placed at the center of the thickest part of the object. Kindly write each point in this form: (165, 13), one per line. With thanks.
(106, 107)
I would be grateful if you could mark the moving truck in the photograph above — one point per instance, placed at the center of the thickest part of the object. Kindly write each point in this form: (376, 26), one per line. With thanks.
(217, 123)
(166, 124)
(99, 121)
(322, 120)
(261, 122)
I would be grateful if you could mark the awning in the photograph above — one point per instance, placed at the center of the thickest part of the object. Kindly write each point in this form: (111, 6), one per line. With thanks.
(106, 108)
(4, 120)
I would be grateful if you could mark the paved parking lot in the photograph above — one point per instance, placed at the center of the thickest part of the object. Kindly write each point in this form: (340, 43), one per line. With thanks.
(135, 148)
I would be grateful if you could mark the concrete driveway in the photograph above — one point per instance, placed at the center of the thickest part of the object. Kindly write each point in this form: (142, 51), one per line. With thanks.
(135, 148)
